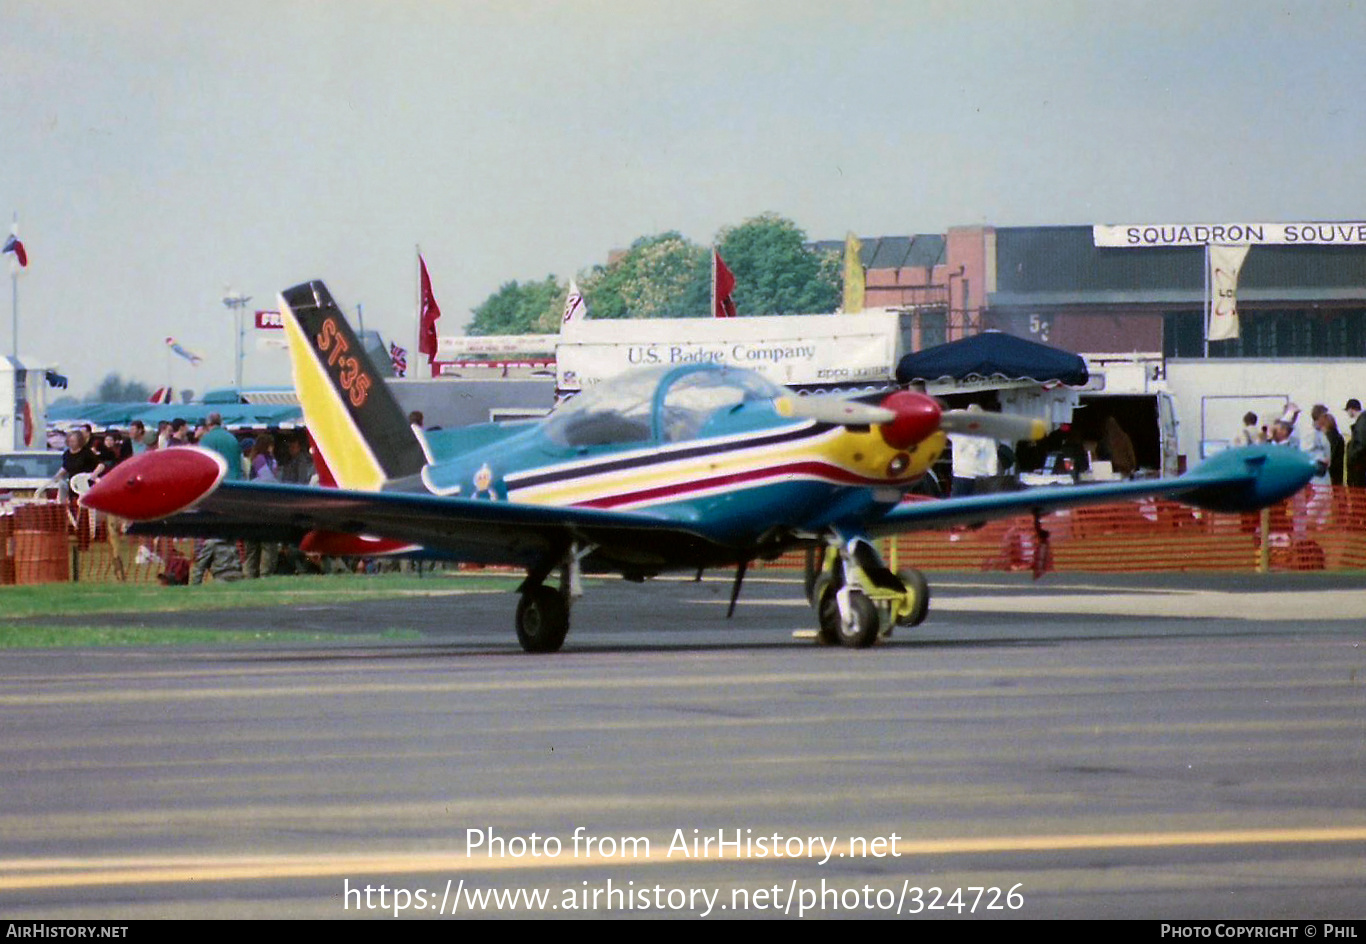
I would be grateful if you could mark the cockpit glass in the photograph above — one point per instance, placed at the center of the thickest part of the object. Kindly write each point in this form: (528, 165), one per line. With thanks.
(615, 411)
(693, 399)
(621, 410)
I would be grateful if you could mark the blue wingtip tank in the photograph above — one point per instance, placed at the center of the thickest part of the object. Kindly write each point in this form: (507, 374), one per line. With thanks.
(1274, 473)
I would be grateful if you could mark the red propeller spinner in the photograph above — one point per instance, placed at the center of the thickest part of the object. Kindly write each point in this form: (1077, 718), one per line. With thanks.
(917, 417)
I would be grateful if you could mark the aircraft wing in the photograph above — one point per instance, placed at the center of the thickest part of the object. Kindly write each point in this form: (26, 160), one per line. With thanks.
(287, 512)
(1236, 480)
(182, 493)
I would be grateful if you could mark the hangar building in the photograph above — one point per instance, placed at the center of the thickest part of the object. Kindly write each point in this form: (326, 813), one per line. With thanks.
(1136, 310)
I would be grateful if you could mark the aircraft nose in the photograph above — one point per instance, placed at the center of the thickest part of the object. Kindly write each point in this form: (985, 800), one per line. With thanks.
(917, 417)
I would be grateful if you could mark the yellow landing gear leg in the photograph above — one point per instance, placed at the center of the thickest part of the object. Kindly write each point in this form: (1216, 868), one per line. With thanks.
(858, 600)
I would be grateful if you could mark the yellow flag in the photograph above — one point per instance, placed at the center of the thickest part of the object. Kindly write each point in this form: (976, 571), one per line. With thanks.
(853, 275)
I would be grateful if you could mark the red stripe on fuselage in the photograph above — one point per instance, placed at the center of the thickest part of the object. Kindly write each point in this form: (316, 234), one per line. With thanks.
(821, 470)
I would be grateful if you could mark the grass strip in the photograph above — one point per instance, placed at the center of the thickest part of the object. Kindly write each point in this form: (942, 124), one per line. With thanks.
(71, 599)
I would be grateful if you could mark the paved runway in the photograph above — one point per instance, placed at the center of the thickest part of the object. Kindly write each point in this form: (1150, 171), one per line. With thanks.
(1078, 748)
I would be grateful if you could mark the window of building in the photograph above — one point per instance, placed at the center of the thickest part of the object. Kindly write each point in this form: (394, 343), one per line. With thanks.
(934, 328)
(1271, 333)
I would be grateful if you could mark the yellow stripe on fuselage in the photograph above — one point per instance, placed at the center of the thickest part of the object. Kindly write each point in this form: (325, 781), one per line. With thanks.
(352, 463)
(862, 454)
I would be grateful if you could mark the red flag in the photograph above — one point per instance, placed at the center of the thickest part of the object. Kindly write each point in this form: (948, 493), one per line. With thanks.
(722, 284)
(430, 312)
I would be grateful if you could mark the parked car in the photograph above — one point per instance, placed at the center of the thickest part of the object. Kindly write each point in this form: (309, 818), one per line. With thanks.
(23, 473)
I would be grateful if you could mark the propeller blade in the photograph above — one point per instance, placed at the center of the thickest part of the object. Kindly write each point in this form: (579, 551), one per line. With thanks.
(1004, 426)
(916, 412)
(839, 411)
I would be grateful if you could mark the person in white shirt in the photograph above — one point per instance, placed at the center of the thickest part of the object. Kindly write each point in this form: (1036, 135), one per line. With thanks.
(1249, 435)
(974, 460)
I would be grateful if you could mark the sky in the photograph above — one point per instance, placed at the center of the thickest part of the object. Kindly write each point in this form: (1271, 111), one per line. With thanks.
(158, 152)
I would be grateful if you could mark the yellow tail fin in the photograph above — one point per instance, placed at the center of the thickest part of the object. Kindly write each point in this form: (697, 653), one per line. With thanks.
(353, 417)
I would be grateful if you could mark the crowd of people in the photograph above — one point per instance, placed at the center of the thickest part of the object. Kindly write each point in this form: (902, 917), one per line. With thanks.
(266, 458)
(1340, 460)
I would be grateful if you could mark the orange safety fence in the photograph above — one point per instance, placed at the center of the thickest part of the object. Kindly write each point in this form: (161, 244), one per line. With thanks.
(1322, 528)
(51, 542)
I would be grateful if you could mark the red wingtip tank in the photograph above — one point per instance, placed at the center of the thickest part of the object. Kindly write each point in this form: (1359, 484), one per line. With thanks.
(157, 484)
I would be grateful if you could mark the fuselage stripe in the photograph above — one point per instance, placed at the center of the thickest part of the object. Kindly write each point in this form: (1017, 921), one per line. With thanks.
(656, 457)
(810, 470)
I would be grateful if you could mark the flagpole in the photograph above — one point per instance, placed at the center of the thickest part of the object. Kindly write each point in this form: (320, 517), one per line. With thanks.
(1207, 302)
(713, 281)
(417, 295)
(14, 300)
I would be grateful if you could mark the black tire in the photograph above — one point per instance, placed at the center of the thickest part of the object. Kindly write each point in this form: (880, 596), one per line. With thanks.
(827, 612)
(866, 623)
(542, 620)
(917, 584)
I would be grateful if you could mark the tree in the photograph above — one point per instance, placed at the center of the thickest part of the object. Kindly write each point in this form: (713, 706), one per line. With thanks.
(666, 276)
(521, 308)
(114, 389)
(662, 276)
(775, 272)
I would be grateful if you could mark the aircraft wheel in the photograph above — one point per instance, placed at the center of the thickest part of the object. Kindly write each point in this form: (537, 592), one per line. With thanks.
(542, 620)
(919, 589)
(827, 611)
(862, 629)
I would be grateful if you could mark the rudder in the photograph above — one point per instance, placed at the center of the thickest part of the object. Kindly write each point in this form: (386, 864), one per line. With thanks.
(351, 413)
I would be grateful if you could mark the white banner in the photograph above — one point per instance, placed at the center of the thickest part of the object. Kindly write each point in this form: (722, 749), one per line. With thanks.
(1224, 264)
(1141, 235)
(787, 349)
(454, 348)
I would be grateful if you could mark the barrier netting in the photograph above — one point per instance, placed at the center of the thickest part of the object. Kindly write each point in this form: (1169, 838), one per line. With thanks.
(52, 542)
(1322, 528)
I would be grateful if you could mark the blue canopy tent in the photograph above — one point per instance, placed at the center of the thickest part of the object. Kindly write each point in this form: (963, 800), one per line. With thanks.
(236, 415)
(993, 355)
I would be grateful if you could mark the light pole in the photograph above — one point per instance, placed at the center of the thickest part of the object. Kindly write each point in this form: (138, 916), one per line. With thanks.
(237, 302)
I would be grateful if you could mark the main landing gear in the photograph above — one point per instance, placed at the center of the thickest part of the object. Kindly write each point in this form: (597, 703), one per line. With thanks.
(542, 619)
(858, 600)
(543, 612)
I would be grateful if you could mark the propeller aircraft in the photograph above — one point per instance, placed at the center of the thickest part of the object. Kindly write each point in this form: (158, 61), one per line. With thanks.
(663, 469)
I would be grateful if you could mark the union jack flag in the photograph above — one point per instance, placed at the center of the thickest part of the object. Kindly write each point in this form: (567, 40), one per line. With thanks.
(400, 358)
(13, 245)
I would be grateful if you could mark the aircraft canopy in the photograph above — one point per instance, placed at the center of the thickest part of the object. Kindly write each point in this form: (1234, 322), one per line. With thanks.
(665, 404)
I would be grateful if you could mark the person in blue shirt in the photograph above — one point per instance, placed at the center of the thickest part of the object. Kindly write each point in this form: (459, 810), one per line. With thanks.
(216, 556)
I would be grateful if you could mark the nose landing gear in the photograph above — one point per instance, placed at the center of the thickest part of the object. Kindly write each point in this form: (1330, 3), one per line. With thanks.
(858, 600)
